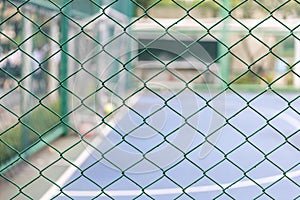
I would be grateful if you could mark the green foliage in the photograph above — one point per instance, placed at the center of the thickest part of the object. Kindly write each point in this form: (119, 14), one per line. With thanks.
(210, 6)
(15, 140)
(248, 78)
(248, 8)
(144, 3)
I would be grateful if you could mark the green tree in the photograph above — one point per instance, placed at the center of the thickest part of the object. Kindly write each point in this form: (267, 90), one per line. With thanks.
(144, 4)
(211, 7)
(284, 8)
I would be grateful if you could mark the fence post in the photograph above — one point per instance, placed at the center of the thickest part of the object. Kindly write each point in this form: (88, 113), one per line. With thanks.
(296, 79)
(223, 50)
(53, 65)
(64, 64)
(26, 70)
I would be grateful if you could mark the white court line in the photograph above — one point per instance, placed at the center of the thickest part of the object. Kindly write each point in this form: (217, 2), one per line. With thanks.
(199, 189)
(54, 190)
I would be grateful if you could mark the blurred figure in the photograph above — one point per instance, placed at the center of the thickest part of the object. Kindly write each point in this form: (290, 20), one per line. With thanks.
(11, 70)
(38, 82)
(2, 73)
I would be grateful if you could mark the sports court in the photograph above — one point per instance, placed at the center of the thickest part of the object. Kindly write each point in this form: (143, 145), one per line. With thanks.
(187, 166)
(158, 99)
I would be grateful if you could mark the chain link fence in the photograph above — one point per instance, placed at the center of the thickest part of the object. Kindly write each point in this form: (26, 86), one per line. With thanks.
(165, 99)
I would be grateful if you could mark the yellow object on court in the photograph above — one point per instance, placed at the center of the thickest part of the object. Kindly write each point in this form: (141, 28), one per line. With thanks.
(108, 108)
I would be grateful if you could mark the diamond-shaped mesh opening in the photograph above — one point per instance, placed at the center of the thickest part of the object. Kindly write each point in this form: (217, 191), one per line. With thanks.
(9, 146)
(158, 99)
(274, 190)
(270, 7)
(248, 56)
(289, 10)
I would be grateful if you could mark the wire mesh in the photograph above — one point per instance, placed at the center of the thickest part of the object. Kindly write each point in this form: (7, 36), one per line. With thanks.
(209, 92)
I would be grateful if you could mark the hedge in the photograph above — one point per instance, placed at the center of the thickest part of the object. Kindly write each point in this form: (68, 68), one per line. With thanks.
(30, 129)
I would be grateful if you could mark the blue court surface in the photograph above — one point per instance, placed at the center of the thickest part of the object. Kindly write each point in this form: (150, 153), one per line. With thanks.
(191, 148)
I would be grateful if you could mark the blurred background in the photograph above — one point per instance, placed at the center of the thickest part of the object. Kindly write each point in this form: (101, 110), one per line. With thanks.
(65, 66)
